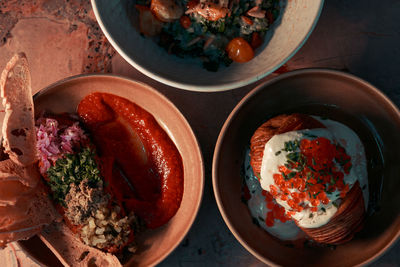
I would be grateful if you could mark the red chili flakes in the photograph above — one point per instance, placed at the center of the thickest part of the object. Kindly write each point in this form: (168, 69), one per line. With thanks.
(314, 167)
(277, 212)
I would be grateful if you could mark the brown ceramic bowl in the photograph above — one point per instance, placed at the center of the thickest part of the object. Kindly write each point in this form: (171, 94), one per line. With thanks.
(336, 95)
(154, 245)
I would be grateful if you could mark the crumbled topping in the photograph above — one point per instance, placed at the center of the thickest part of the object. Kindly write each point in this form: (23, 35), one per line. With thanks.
(101, 227)
(83, 201)
(106, 229)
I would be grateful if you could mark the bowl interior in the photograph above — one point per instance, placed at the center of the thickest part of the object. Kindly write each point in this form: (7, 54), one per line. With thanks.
(64, 96)
(337, 96)
(118, 20)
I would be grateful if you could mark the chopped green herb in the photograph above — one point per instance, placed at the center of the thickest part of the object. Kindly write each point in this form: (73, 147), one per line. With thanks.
(221, 27)
(316, 194)
(349, 169)
(73, 168)
(278, 152)
(290, 146)
(294, 156)
(344, 162)
(313, 161)
(323, 209)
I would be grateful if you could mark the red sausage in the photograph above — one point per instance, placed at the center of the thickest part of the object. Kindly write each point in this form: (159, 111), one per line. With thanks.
(155, 187)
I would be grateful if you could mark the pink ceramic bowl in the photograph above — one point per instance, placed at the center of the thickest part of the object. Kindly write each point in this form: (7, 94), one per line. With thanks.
(153, 245)
(338, 96)
(119, 23)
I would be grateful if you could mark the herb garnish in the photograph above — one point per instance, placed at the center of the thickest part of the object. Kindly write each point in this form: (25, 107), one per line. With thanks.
(73, 168)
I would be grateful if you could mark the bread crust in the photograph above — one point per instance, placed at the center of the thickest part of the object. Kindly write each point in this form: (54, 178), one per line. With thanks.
(24, 204)
(19, 136)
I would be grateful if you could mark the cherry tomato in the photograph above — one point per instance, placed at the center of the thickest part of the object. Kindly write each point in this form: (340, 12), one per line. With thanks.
(256, 40)
(185, 22)
(239, 50)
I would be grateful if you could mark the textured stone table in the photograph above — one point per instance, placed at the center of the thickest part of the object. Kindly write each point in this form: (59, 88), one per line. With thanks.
(61, 38)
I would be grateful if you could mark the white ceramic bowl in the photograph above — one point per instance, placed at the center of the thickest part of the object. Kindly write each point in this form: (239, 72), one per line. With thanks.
(289, 33)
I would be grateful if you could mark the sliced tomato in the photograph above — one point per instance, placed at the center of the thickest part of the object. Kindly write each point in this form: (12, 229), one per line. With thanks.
(247, 20)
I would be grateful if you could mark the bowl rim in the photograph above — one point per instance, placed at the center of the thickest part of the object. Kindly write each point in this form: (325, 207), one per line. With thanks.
(202, 88)
(184, 120)
(231, 117)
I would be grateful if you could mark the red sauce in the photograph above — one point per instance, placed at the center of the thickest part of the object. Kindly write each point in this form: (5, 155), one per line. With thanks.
(140, 162)
(314, 173)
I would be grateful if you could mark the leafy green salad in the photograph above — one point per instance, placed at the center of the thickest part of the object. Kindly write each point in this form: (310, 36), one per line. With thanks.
(217, 32)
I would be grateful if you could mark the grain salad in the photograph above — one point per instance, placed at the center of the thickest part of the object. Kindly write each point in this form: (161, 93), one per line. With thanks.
(218, 32)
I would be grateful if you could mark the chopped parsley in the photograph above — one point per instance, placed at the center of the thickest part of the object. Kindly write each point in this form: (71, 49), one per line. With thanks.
(73, 168)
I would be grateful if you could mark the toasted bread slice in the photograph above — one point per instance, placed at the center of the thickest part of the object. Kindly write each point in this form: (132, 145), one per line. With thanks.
(71, 251)
(24, 204)
(19, 138)
(24, 209)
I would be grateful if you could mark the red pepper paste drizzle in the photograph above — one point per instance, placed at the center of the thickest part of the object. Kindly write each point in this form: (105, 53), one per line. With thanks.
(311, 171)
(154, 188)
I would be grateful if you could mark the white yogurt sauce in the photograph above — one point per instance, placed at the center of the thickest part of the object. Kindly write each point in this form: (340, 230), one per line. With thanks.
(336, 132)
(258, 207)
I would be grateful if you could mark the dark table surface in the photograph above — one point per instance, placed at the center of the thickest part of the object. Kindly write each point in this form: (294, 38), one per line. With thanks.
(62, 39)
